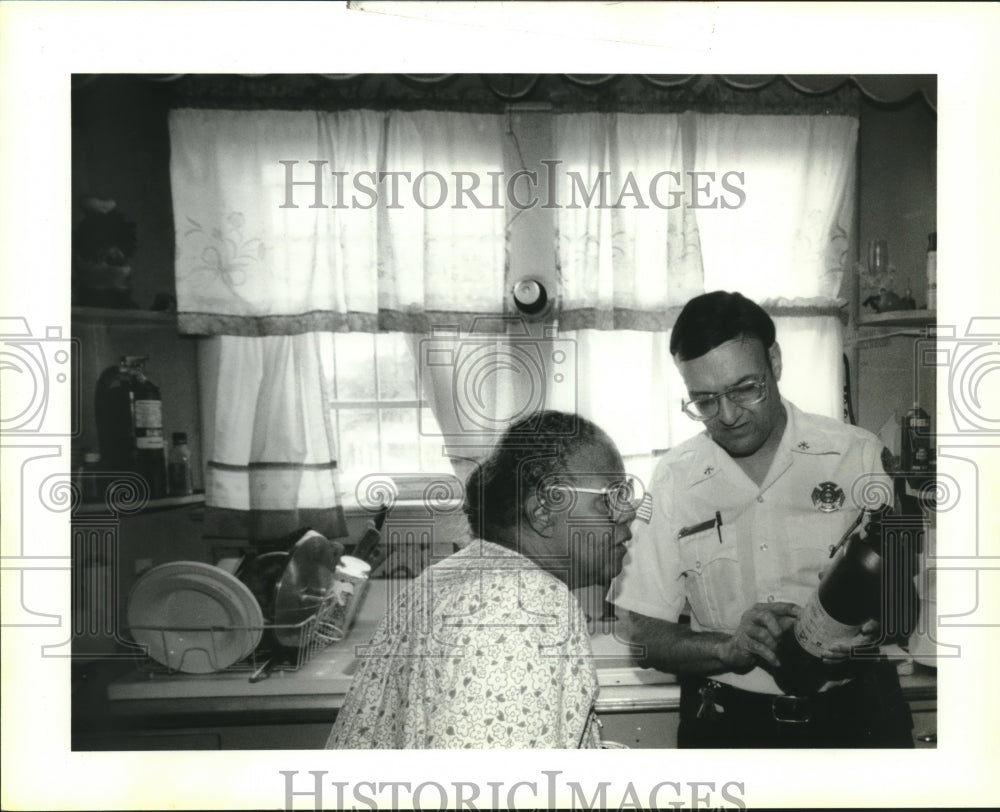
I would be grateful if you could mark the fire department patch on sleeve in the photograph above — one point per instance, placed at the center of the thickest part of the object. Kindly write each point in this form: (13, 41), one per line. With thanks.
(828, 497)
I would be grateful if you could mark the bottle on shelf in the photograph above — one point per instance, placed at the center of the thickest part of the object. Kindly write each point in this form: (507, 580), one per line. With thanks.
(88, 478)
(915, 443)
(932, 271)
(179, 466)
(849, 594)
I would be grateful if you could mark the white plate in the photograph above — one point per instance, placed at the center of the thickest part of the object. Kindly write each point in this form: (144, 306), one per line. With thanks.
(194, 617)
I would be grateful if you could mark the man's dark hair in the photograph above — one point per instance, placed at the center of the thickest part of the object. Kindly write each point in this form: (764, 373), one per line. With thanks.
(530, 450)
(714, 318)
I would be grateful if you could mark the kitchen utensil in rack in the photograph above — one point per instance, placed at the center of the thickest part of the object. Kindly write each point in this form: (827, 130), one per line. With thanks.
(348, 591)
(367, 548)
(305, 583)
(261, 574)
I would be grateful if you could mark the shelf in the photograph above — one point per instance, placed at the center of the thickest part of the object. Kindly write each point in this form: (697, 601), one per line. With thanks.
(166, 503)
(899, 318)
(122, 316)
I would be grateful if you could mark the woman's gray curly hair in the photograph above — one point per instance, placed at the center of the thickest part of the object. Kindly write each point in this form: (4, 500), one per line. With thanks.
(530, 450)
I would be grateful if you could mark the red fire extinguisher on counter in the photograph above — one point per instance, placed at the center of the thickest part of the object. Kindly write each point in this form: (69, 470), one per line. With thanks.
(129, 413)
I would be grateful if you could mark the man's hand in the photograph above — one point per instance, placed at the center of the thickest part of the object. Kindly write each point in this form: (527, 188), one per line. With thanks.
(869, 634)
(757, 636)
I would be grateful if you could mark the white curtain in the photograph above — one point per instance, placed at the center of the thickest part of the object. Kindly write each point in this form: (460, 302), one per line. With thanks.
(619, 228)
(788, 245)
(267, 427)
(284, 231)
(789, 239)
(783, 242)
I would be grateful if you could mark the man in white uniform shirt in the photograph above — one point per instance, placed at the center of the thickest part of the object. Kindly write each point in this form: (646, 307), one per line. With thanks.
(743, 520)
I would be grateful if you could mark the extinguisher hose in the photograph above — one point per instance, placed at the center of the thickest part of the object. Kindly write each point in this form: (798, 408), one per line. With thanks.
(848, 403)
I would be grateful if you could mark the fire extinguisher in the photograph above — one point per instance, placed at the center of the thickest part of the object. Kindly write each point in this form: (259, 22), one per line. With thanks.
(849, 593)
(129, 413)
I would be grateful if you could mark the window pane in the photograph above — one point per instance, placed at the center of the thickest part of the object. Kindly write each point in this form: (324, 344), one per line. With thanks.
(397, 371)
(400, 449)
(359, 443)
(432, 456)
(355, 368)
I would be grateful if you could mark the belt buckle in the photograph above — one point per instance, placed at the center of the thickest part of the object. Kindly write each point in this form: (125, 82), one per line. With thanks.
(793, 710)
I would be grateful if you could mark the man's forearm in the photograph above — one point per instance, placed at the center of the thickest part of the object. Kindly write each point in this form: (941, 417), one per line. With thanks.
(674, 648)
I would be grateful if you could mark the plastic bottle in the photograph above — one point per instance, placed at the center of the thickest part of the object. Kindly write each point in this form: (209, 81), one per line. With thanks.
(932, 271)
(849, 594)
(113, 409)
(350, 581)
(915, 442)
(179, 466)
(147, 409)
(88, 477)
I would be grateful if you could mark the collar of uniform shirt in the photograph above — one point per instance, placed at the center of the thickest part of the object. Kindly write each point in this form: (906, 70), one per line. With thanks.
(797, 438)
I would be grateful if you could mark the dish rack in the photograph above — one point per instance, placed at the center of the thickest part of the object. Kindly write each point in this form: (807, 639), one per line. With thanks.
(280, 647)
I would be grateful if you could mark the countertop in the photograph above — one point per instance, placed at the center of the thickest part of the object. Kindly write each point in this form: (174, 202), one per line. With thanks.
(320, 684)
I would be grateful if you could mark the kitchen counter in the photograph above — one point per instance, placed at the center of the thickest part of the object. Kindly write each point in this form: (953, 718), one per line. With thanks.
(321, 683)
(143, 708)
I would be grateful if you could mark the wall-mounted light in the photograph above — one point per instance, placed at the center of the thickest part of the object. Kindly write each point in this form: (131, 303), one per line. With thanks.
(531, 298)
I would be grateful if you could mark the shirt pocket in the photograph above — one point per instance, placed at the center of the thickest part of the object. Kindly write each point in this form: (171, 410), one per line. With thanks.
(810, 538)
(713, 580)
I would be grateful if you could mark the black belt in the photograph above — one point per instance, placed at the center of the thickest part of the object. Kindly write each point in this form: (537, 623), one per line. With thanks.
(868, 711)
(781, 707)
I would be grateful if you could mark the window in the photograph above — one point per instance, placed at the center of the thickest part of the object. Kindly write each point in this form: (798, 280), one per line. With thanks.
(382, 423)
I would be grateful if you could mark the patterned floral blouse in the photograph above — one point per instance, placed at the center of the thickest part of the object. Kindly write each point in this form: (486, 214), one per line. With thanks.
(482, 650)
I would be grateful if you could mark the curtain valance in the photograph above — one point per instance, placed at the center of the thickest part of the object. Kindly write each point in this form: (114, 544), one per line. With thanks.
(770, 93)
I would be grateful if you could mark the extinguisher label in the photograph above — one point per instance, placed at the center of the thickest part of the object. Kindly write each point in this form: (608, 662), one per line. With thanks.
(148, 424)
(816, 631)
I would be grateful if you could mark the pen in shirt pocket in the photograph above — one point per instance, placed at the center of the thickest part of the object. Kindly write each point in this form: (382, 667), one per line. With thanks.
(690, 530)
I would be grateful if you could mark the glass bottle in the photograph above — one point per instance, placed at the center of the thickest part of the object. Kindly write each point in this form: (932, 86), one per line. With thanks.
(179, 466)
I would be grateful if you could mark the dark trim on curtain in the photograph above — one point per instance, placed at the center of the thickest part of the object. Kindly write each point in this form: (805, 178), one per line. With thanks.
(274, 466)
(620, 318)
(455, 323)
(317, 321)
(494, 93)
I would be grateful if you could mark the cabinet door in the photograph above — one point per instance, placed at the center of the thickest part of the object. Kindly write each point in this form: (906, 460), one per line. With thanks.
(644, 730)
(309, 736)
